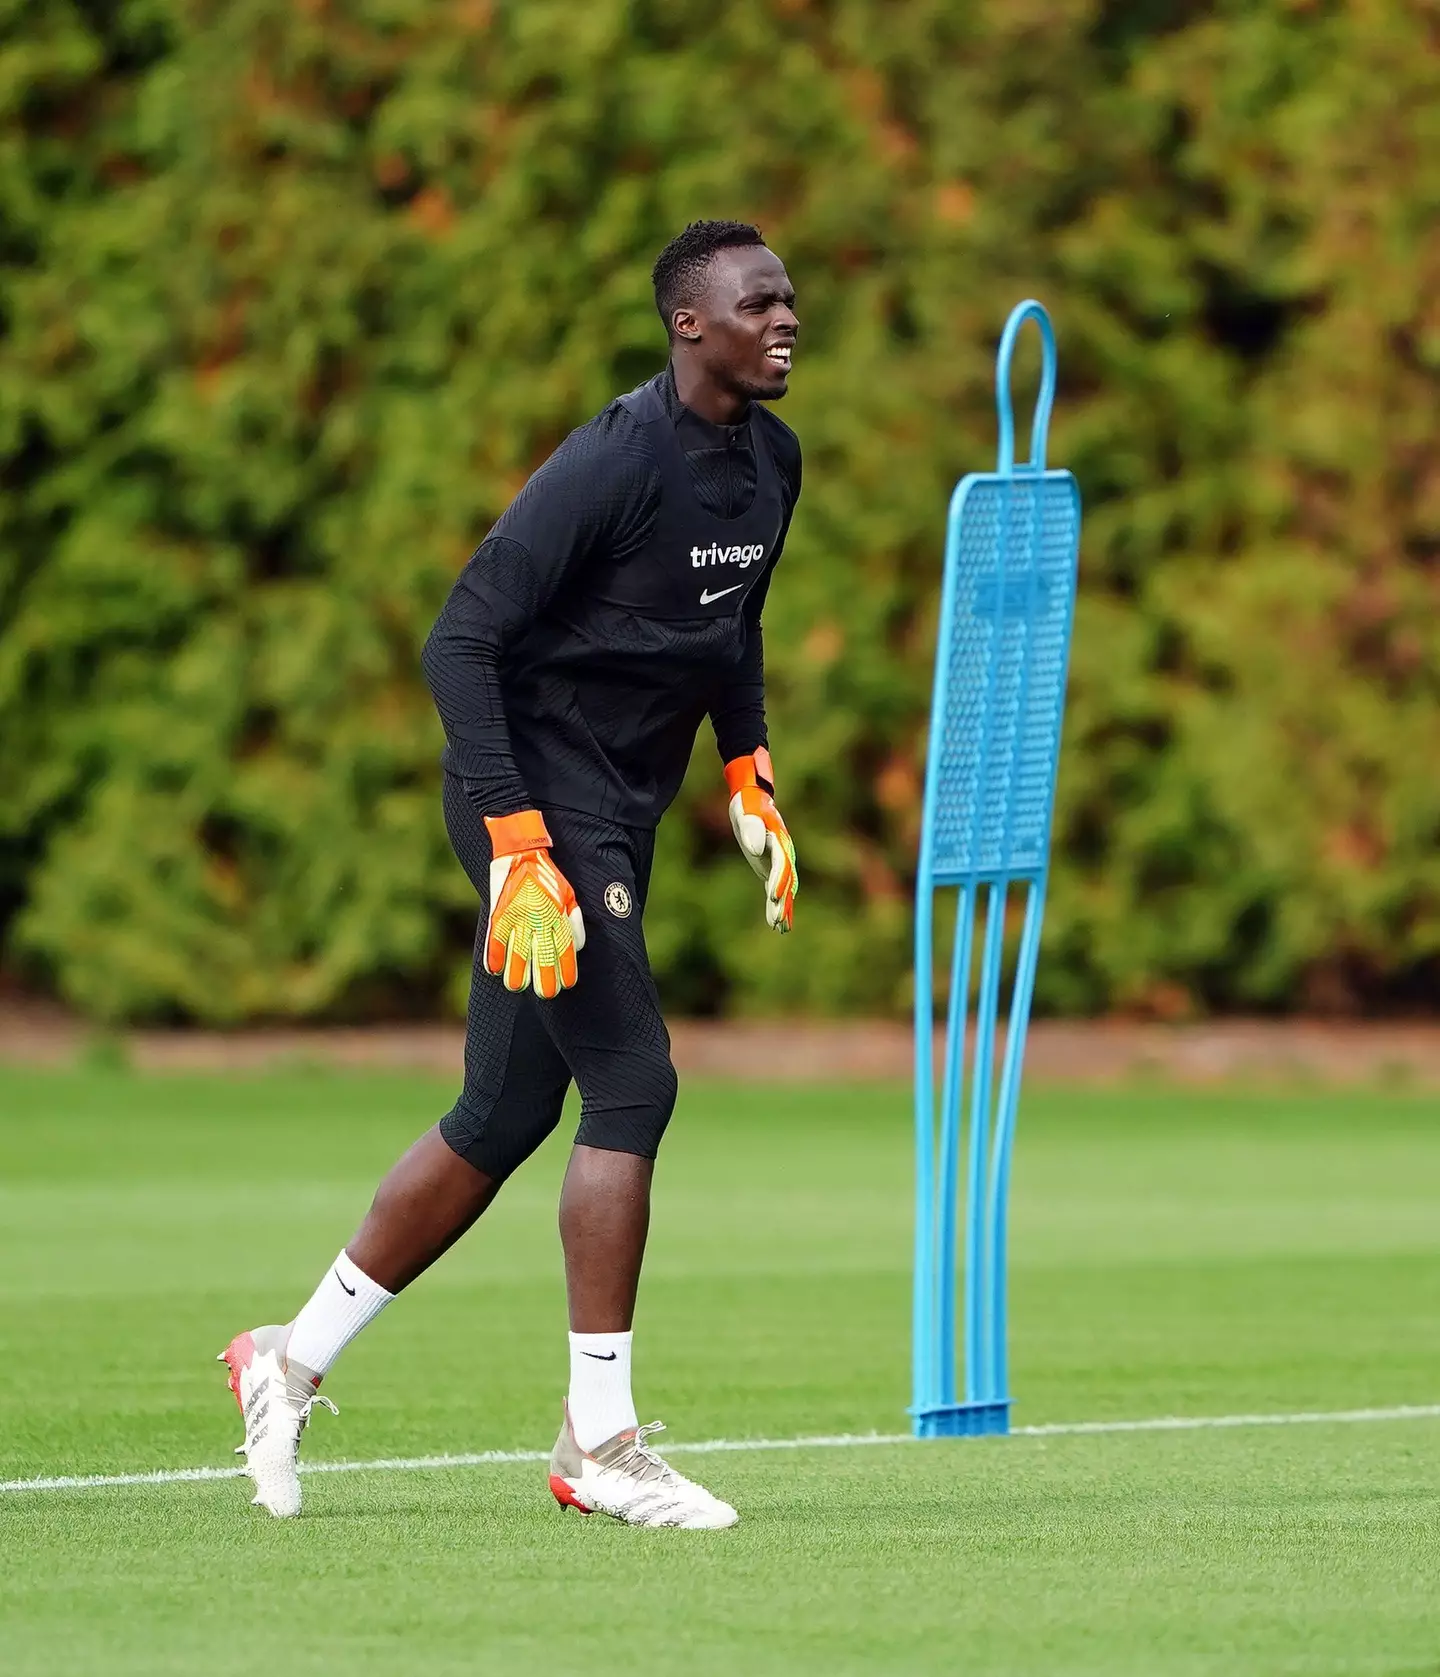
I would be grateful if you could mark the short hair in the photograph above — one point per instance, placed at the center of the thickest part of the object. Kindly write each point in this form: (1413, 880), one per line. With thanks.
(680, 268)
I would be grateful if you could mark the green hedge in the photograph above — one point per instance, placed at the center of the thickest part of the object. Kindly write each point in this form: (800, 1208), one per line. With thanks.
(294, 295)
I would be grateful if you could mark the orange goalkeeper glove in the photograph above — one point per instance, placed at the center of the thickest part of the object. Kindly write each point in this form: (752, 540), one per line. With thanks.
(762, 835)
(535, 924)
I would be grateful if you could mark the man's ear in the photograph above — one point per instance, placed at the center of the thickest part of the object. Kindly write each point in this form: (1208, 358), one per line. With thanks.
(685, 323)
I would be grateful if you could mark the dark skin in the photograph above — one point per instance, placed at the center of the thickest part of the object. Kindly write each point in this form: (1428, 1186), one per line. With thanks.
(722, 345)
(719, 340)
(431, 1196)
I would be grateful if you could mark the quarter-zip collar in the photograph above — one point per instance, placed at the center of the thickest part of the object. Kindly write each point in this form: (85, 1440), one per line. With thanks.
(695, 432)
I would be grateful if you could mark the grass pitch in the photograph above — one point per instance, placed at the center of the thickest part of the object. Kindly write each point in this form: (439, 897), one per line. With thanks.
(1172, 1254)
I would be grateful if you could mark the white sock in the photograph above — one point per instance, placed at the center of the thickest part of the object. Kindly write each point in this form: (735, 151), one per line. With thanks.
(344, 1302)
(600, 1401)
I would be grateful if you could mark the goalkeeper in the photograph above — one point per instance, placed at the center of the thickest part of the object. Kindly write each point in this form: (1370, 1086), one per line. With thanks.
(614, 606)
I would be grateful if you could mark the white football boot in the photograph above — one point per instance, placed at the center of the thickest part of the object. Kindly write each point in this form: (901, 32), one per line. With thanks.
(630, 1482)
(275, 1399)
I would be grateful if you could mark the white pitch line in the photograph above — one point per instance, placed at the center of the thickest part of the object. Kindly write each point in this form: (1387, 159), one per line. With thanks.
(1199, 1423)
(713, 1446)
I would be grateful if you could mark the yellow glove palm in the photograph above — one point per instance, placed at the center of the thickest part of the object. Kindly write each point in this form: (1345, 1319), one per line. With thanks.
(535, 928)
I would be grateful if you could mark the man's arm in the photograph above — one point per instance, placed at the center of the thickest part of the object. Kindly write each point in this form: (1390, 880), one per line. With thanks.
(737, 711)
(597, 490)
(461, 661)
(738, 714)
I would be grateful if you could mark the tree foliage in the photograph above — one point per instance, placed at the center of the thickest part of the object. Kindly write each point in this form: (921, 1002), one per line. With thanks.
(294, 294)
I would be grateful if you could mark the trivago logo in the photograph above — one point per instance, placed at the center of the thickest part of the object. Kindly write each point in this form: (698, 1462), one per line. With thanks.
(700, 557)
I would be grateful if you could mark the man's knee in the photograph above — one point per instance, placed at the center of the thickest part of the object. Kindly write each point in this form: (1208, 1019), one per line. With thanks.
(631, 1117)
(499, 1140)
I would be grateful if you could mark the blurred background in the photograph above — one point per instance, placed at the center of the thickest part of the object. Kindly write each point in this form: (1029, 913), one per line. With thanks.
(295, 294)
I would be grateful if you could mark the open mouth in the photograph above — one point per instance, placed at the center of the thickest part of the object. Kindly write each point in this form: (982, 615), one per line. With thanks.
(778, 355)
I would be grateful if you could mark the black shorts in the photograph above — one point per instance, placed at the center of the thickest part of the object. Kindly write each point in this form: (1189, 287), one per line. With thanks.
(606, 1034)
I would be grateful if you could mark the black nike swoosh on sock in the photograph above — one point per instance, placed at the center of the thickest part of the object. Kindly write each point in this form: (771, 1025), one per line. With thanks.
(351, 1290)
(609, 1357)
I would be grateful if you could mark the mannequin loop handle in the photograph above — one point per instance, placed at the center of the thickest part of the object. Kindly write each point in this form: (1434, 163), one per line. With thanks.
(1040, 424)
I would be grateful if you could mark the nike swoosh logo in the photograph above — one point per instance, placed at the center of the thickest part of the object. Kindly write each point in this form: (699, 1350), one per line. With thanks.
(707, 598)
(350, 1290)
(609, 1358)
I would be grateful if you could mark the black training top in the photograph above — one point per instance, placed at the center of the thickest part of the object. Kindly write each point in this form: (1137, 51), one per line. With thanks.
(617, 601)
